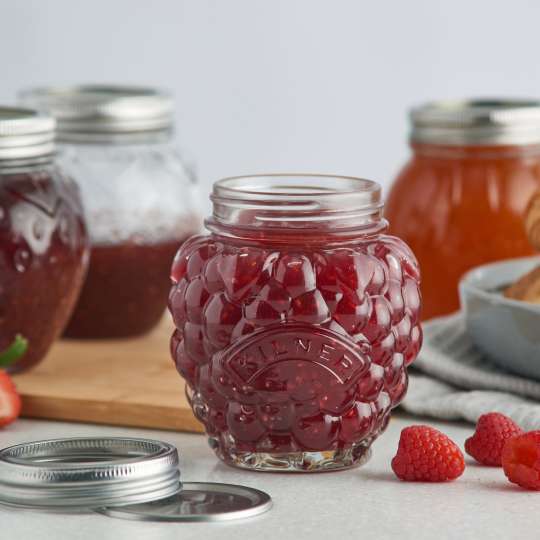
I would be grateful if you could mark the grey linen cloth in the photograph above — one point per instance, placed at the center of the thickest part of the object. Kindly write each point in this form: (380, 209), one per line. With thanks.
(452, 380)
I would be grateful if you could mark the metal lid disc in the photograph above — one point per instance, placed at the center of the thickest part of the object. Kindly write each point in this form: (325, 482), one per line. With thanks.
(198, 501)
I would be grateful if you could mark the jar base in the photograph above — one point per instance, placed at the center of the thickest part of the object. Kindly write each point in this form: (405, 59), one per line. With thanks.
(317, 461)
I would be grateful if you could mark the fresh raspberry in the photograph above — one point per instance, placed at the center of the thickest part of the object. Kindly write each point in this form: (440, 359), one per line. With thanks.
(492, 431)
(521, 460)
(427, 455)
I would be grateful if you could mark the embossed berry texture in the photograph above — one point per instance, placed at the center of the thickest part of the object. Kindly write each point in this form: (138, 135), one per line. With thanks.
(288, 350)
(43, 255)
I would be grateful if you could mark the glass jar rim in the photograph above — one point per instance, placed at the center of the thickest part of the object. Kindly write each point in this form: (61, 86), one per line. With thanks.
(289, 185)
(296, 200)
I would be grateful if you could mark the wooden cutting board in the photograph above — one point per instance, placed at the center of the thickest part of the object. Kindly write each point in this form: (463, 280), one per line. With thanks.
(129, 382)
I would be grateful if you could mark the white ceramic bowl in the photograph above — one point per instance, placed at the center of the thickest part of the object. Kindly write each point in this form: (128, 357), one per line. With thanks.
(507, 330)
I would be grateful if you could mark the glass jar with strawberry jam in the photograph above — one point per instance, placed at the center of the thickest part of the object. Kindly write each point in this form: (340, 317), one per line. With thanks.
(296, 318)
(460, 200)
(43, 241)
(138, 199)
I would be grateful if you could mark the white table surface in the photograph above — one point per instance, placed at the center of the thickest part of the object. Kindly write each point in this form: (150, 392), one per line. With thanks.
(364, 504)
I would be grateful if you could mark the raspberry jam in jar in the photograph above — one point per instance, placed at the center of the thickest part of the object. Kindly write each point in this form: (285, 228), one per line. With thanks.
(138, 198)
(43, 241)
(296, 318)
(460, 200)
(138, 291)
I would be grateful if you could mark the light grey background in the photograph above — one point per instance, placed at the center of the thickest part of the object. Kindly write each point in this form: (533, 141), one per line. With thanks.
(281, 85)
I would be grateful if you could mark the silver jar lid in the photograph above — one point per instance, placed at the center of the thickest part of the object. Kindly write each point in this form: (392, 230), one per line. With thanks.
(88, 473)
(25, 134)
(88, 111)
(198, 501)
(482, 122)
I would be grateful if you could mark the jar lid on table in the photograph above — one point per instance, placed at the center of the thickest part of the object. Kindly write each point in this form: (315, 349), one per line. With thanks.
(119, 477)
(25, 134)
(198, 501)
(87, 472)
(86, 110)
(480, 122)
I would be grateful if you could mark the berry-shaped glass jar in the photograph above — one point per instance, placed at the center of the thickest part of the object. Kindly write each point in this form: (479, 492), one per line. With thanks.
(43, 240)
(296, 318)
(138, 198)
(460, 200)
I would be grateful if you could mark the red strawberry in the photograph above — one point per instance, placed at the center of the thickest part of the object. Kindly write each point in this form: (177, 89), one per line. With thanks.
(427, 455)
(10, 401)
(492, 431)
(521, 460)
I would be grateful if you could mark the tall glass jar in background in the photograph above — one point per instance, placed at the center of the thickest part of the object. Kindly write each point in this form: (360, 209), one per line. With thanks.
(43, 241)
(137, 195)
(460, 200)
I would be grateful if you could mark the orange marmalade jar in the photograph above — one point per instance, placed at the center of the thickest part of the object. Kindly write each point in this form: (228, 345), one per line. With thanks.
(460, 200)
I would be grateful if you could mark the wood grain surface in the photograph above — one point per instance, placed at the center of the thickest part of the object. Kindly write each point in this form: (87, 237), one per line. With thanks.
(129, 382)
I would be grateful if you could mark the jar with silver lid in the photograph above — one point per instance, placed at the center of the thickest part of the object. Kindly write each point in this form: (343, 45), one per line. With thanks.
(460, 200)
(138, 197)
(43, 239)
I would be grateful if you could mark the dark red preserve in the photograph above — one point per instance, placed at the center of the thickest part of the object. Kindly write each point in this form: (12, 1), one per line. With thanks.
(296, 318)
(125, 291)
(43, 242)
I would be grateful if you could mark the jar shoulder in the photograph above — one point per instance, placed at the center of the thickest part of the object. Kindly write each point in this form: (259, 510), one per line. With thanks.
(388, 252)
(47, 187)
(133, 192)
(107, 165)
(428, 193)
(420, 172)
(41, 220)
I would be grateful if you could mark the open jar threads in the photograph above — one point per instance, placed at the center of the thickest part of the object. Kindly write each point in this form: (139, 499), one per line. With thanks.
(296, 317)
(460, 200)
(137, 195)
(43, 242)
